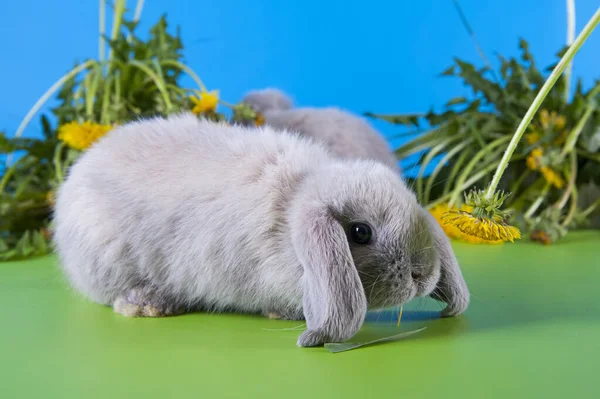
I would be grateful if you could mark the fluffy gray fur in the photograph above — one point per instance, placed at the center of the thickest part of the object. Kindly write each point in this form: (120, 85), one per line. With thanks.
(342, 133)
(166, 216)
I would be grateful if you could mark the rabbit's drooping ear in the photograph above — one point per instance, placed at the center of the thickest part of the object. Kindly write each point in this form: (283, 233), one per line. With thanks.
(334, 300)
(452, 288)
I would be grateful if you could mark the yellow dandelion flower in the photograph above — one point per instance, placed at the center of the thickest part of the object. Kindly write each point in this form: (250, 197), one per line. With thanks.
(561, 138)
(548, 121)
(544, 118)
(486, 229)
(533, 137)
(534, 158)
(552, 120)
(552, 177)
(207, 102)
(534, 162)
(452, 231)
(81, 136)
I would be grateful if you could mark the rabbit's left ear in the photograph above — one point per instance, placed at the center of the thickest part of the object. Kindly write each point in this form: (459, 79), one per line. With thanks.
(452, 288)
(334, 300)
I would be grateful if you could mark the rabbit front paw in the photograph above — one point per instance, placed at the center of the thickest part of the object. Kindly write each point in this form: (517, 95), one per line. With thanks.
(312, 338)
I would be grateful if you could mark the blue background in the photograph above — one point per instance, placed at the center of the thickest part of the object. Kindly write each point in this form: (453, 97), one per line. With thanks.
(378, 56)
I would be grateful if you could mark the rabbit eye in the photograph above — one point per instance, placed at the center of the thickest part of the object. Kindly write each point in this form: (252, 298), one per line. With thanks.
(361, 233)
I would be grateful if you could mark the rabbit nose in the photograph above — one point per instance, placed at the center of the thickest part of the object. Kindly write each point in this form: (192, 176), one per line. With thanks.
(416, 275)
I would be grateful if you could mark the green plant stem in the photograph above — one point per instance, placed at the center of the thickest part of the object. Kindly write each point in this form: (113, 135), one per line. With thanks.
(24, 182)
(136, 16)
(570, 38)
(574, 134)
(187, 70)
(454, 171)
(159, 83)
(558, 70)
(472, 180)
(473, 163)
(538, 201)
(585, 213)
(117, 21)
(572, 208)
(57, 162)
(7, 175)
(117, 104)
(42, 100)
(104, 119)
(440, 165)
(90, 90)
(428, 158)
(101, 28)
(225, 103)
(588, 155)
(572, 178)
(465, 22)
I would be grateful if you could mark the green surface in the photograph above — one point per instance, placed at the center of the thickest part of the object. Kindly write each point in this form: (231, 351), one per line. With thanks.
(533, 330)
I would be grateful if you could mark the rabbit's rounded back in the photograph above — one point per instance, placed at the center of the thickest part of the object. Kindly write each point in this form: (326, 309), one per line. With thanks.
(344, 134)
(175, 201)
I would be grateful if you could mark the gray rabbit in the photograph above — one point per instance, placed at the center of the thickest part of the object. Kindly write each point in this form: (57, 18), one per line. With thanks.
(166, 216)
(343, 134)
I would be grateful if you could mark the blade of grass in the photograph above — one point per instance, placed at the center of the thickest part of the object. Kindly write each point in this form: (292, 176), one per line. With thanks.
(426, 161)
(346, 346)
(439, 167)
(454, 172)
(187, 70)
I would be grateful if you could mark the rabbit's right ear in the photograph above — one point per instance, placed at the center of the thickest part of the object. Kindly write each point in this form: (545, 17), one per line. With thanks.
(334, 300)
(452, 288)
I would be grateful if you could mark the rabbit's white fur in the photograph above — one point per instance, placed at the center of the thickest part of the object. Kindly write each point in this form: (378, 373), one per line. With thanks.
(171, 215)
(342, 133)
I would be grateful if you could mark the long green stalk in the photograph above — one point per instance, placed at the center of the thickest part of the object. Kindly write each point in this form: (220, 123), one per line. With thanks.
(454, 171)
(440, 165)
(538, 201)
(426, 161)
(90, 90)
(469, 183)
(187, 70)
(136, 16)
(159, 83)
(570, 39)
(101, 29)
(42, 100)
(586, 212)
(7, 175)
(473, 163)
(465, 22)
(572, 208)
(104, 119)
(572, 179)
(558, 70)
(58, 168)
(574, 134)
(117, 21)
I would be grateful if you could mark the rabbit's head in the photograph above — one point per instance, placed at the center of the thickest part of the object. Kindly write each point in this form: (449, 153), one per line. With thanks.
(365, 242)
